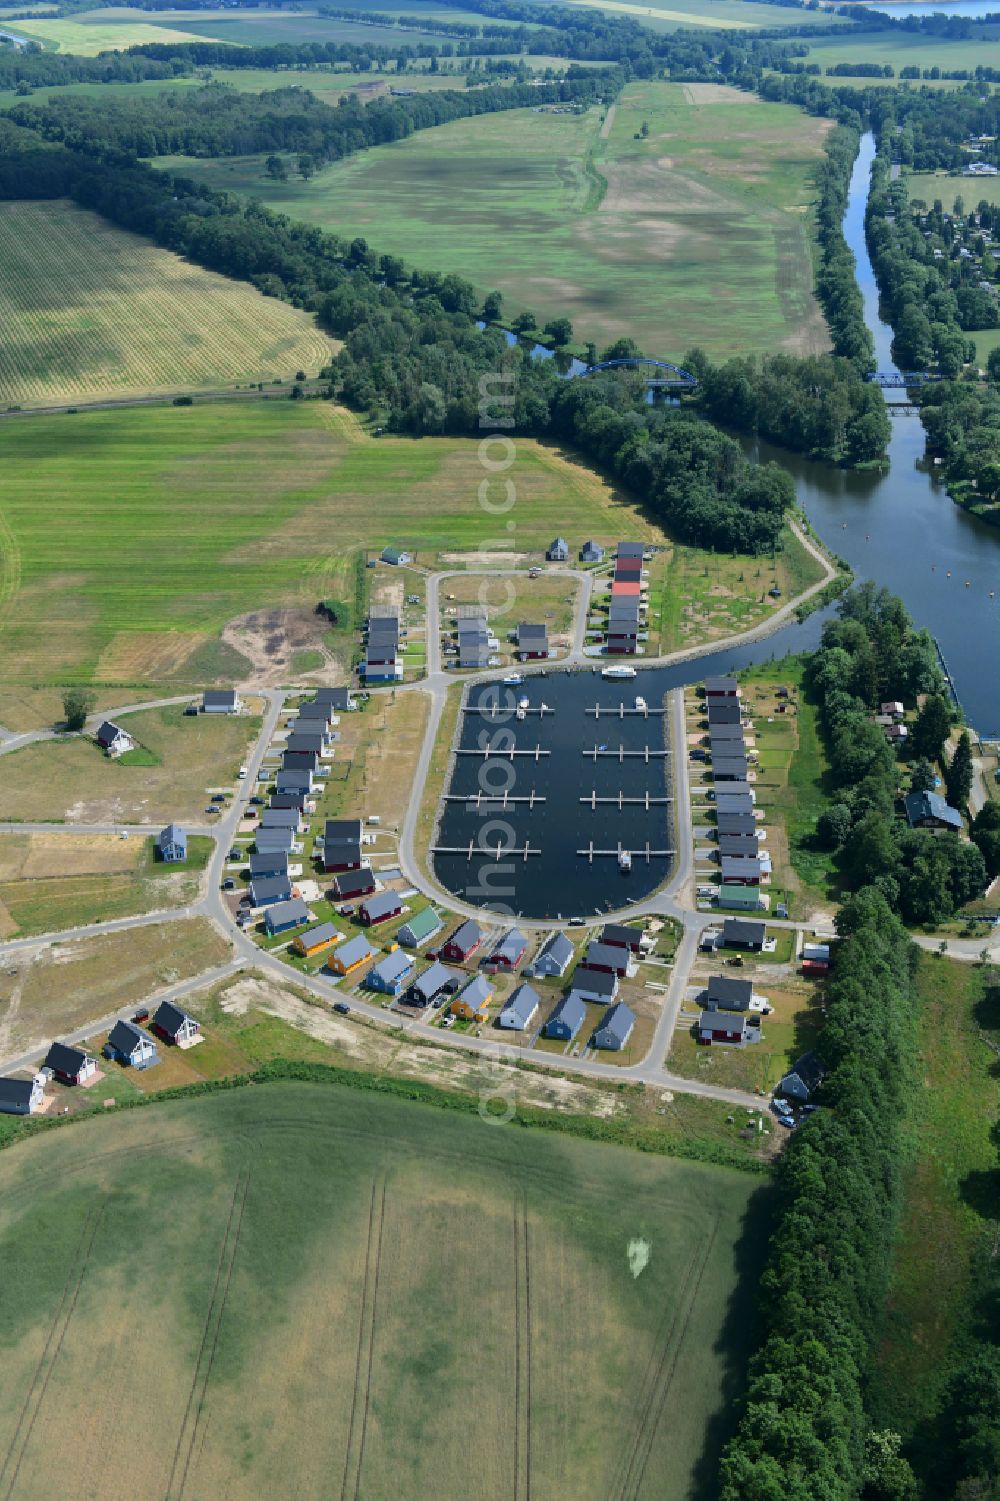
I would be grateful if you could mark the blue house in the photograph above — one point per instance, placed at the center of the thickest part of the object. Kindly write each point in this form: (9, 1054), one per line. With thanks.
(392, 974)
(555, 958)
(284, 915)
(128, 1045)
(267, 890)
(615, 1027)
(558, 551)
(172, 844)
(591, 552)
(567, 1019)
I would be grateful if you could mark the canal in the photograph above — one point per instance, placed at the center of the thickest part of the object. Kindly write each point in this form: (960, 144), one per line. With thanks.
(899, 528)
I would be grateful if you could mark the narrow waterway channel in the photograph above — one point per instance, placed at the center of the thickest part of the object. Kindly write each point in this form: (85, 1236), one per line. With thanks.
(901, 528)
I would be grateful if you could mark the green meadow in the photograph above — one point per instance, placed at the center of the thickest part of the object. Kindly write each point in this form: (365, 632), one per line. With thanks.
(901, 50)
(298, 1284)
(698, 232)
(129, 538)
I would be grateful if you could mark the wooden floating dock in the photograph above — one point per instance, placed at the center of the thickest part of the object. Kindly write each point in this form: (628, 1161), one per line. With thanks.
(647, 753)
(622, 713)
(619, 800)
(491, 799)
(496, 711)
(646, 854)
(495, 852)
(504, 755)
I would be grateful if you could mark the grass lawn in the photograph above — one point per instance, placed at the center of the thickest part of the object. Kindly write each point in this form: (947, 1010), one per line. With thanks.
(950, 1206)
(708, 595)
(243, 507)
(397, 1244)
(947, 186)
(437, 771)
(786, 1034)
(509, 602)
(65, 986)
(900, 50)
(790, 783)
(87, 40)
(72, 780)
(724, 15)
(54, 881)
(89, 310)
(699, 233)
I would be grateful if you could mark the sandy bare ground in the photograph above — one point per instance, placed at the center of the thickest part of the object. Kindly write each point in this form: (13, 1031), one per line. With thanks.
(413, 1060)
(270, 639)
(609, 120)
(486, 559)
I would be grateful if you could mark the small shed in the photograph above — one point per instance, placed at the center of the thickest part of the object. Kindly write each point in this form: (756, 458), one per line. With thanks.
(615, 1028)
(520, 1009)
(171, 844)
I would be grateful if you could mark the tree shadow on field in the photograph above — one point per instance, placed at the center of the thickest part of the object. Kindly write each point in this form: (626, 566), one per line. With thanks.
(738, 1338)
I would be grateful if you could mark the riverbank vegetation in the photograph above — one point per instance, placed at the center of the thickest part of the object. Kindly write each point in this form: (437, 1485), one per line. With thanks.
(872, 655)
(838, 1189)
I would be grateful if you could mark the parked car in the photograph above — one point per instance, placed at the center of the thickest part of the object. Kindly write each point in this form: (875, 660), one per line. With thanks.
(699, 755)
(242, 772)
(250, 813)
(235, 854)
(342, 1007)
(229, 884)
(192, 709)
(345, 911)
(218, 797)
(213, 808)
(257, 802)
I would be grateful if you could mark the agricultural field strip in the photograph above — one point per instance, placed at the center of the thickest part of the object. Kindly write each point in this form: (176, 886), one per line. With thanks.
(88, 308)
(38, 1386)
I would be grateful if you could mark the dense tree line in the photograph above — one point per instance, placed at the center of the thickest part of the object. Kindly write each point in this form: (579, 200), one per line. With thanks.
(836, 285)
(217, 120)
(873, 654)
(820, 406)
(838, 1190)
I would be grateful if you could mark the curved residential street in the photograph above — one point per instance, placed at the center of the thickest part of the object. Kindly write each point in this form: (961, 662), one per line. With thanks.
(675, 900)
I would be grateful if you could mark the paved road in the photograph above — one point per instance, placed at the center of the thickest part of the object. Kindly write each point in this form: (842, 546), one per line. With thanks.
(9, 741)
(675, 900)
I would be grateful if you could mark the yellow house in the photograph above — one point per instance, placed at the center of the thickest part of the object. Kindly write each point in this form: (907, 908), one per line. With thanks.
(473, 999)
(350, 956)
(316, 940)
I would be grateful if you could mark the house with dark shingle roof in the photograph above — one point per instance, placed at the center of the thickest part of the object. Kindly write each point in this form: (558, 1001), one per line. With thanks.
(70, 1065)
(928, 810)
(591, 552)
(221, 701)
(803, 1078)
(558, 551)
(128, 1045)
(174, 1025)
(21, 1096)
(113, 740)
(555, 957)
(283, 916)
